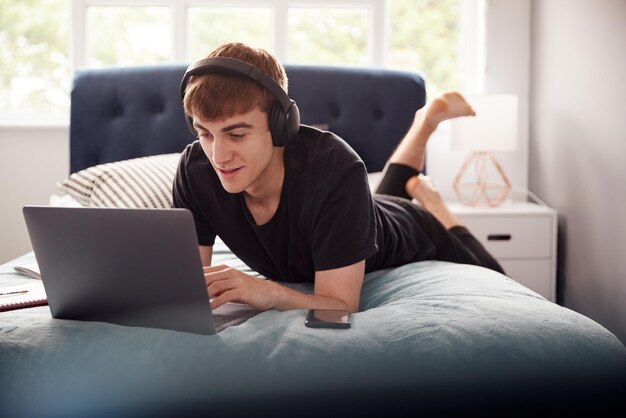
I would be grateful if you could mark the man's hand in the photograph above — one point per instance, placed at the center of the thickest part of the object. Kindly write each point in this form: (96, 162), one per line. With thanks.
(226, 284)
(334, 289)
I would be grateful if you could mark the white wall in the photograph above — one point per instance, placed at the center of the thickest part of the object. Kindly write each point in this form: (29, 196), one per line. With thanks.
(578, 147)
(32, 160)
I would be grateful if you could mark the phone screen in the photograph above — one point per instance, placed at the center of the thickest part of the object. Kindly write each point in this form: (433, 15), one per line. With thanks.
(328, 318)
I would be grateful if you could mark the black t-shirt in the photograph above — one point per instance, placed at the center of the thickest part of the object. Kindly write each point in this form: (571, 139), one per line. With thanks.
(326, 217)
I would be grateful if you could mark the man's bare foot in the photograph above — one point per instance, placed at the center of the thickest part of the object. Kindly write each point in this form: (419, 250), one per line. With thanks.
(421, 189)
(412, 149)
(448, 105)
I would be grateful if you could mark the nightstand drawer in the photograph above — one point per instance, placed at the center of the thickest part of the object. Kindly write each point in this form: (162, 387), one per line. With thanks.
(513, 236)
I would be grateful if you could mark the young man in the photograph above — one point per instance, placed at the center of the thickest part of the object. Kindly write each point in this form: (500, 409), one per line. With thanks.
(304, 212)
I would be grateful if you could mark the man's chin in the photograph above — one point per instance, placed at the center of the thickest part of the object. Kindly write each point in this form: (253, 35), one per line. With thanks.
(231, 188)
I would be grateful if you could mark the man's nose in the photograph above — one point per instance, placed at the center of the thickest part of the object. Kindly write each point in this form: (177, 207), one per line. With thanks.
(221, 151)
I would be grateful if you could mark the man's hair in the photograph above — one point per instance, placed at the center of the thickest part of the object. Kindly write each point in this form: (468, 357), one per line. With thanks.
(216, 95)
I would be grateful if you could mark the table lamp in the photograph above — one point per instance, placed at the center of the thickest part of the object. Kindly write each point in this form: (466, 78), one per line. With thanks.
(481, 179)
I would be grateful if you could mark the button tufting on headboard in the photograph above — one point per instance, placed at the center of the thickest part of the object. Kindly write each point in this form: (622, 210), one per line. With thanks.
(156, 105)
(334, 111)
(369, 108)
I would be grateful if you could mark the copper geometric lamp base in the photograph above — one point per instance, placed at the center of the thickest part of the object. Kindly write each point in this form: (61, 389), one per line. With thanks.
(481, 181)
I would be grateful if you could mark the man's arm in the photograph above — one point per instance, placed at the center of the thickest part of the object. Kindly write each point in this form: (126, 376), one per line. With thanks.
(206, 255)
(334, 289)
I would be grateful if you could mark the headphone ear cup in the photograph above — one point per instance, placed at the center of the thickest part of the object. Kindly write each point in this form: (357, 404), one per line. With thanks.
(292, 123)
(276, 122)
(284, 127)
(189, 121)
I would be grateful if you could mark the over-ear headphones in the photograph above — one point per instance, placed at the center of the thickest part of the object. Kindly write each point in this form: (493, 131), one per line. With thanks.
(283, 116)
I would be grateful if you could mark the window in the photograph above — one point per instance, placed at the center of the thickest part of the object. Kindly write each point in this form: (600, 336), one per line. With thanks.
(34, 59)
(424, 36)
(35, 44)
(321, 35)
(127, 35)
(208, 27)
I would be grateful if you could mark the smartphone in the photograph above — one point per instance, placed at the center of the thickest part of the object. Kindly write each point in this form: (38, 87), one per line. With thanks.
(328, 318)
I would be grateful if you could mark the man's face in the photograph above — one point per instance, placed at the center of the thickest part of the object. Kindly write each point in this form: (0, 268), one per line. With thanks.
(240, 150)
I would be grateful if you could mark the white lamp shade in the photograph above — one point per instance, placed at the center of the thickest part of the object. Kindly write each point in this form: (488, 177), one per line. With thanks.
(494, 128)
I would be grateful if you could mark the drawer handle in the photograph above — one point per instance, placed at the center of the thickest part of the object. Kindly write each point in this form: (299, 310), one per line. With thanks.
(499, 237)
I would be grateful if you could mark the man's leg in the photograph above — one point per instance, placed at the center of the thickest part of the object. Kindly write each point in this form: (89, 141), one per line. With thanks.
(407, 162)
(412, 148)
(408, 158)
(428, 197)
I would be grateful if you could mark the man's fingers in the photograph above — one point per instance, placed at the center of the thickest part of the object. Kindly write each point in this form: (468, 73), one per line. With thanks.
(215, 273)
(228, 296)
(212, 269)
(226, 284)
(216, 288)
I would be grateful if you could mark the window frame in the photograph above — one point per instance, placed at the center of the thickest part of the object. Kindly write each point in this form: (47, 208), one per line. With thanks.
(179, 26)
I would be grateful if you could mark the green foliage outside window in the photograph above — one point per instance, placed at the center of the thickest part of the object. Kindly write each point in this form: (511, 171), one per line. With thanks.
(34, 57)
(123, 35)
(328, 36)
(213, 26)
(423, 35)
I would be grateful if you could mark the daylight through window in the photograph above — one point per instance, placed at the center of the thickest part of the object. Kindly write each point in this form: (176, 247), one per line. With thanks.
(35, 44)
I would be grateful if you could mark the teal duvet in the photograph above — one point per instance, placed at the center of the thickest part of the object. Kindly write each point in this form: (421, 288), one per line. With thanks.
(431, 337)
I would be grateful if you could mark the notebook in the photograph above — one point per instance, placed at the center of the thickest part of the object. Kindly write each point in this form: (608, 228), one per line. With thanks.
(135, 267)
(27, 295)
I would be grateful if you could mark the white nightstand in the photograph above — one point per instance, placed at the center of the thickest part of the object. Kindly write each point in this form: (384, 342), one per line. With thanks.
(522, 237)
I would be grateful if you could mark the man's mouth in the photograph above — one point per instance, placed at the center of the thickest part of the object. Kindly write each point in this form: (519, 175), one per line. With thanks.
(226, 173)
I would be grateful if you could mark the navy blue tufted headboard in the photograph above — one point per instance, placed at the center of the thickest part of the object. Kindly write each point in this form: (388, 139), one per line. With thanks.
(121, 113)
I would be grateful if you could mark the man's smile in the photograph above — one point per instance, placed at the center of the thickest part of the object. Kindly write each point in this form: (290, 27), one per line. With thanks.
(228, 173)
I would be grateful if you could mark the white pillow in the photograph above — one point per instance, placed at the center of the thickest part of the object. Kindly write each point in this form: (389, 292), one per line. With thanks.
(144, 182)
(373, 179)
(65, 201)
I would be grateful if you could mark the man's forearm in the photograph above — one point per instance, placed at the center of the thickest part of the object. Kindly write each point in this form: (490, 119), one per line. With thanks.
(288, 298)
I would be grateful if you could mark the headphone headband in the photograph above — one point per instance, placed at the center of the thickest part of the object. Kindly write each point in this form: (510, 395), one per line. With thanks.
(284, 122)
(234, 66)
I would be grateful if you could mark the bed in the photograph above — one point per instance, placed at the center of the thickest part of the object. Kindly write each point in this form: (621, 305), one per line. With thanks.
(430, 337)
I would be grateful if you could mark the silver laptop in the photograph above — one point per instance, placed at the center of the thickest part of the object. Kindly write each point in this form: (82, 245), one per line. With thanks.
(136, 267)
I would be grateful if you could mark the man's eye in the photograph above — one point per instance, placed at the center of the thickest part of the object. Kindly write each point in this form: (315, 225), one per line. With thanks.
(237, 136)
(205, 136)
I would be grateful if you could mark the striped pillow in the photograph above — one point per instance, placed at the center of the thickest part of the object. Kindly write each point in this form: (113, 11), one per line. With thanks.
(144, 182)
